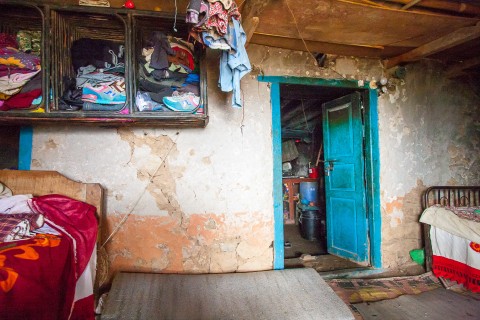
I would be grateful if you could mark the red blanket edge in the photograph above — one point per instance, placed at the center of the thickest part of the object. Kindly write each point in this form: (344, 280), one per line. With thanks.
(456, 271)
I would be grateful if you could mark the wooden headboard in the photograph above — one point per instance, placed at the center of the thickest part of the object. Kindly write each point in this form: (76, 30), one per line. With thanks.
(454, 196)
(39, 183)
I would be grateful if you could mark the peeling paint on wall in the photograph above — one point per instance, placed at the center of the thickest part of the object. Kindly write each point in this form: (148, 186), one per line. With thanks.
(428, 137)
(209, 206)
(198, 243)
(149, 155)
(401, 229)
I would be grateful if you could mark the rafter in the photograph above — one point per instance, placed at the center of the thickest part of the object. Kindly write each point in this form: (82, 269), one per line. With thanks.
(451, 40)
(293, 112)
(410, 4)
(453, 6)
(458, 68)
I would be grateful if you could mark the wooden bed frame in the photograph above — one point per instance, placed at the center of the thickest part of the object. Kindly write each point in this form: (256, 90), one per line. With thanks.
(40, 183)
(455, 196)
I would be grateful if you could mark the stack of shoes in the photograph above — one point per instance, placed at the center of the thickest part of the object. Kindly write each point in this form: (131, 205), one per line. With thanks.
(103, 95)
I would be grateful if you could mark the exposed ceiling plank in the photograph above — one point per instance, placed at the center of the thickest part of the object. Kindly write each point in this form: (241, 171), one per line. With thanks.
(250, 26)
(250, 16)
(452, 6)
(287, 104)
(287, 116)
(457, 69)
(294, 134)
(304, 119)
(410, 4)
(453, 39)
(324, 21)
(253, 8)
(291, 114)
(315, 46)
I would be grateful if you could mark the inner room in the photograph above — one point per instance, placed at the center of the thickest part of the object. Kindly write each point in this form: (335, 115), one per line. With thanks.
(303, 176)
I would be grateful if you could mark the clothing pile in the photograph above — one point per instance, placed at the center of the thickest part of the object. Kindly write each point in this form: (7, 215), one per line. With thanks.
(99, 84)
(216, 24)
(168, 76)
(20, 70)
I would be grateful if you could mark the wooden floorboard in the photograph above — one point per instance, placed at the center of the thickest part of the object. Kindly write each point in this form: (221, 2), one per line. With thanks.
(437, 304)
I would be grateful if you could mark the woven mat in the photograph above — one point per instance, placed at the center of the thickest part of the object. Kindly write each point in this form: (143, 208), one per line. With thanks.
(370, 290)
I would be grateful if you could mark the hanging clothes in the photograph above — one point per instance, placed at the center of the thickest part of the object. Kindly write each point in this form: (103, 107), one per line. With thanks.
(234, 64)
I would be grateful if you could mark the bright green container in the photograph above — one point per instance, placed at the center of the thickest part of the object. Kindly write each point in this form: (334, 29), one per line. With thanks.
(418, 255)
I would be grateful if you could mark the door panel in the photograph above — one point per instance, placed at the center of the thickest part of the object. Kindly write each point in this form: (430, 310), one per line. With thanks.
(344, 179)
(341, 221)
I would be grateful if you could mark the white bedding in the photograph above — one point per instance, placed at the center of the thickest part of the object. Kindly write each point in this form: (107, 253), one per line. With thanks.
(446, 220)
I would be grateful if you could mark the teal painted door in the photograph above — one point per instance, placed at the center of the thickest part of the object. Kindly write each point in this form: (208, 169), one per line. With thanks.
(345, 179)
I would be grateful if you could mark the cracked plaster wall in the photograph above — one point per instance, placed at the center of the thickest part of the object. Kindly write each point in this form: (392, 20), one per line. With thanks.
(201, 199)
(429, 135)
(428, 131)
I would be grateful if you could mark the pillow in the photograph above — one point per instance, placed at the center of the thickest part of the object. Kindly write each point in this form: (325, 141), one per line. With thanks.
(5, 191)
(15, 204)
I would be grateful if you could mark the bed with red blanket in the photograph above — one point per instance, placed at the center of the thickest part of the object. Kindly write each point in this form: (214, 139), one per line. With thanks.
(451, 218)
(48, 239)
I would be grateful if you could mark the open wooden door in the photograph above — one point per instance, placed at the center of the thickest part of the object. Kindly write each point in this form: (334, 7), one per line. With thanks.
(345, 179)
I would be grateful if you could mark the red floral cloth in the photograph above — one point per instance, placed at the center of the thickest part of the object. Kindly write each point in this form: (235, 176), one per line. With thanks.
(37, 278)
(21, 100)
(7, 40)
(219, 17)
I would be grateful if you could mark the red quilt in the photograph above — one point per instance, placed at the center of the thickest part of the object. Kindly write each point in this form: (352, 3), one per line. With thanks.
(38, 276)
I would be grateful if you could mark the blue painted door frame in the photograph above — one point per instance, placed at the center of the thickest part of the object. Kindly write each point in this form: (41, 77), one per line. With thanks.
(372, 164)
(25, 148)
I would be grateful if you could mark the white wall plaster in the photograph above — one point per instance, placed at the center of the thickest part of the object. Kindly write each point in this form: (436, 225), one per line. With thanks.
(416, 132)
(426, 133)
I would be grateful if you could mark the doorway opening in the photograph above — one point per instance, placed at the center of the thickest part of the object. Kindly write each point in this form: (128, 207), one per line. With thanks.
(315, 123)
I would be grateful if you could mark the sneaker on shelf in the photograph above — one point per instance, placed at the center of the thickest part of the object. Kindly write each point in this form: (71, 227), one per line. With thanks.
(182, 103)
(103, 95)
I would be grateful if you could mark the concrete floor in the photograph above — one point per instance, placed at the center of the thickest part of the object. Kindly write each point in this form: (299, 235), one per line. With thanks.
(299, 245)
(299, 294)
(313, 254)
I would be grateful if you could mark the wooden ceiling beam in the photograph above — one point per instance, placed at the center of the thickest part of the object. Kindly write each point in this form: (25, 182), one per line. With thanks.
(297, 109)
(249, 26)
(250, 16)
(452, 6)
(288, 104)
(410, 4)
(451, 40)
(315, 46)
(458, 68)
(304, 119)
